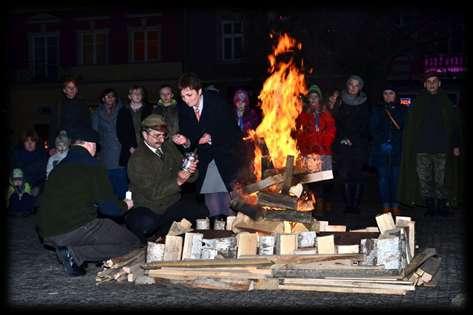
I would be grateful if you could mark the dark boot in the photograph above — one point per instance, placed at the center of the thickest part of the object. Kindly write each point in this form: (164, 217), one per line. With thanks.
(430, 204)
(442, 208)
(348, 197)
(71, 268)
(357, 195)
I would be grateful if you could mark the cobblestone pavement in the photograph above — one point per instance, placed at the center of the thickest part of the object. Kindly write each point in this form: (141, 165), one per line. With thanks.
(36, 280)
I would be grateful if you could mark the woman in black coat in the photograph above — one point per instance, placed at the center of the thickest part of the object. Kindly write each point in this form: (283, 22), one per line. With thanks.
(207, 123)
(351, 143)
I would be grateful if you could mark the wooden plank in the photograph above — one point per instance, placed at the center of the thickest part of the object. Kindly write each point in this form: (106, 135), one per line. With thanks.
(120, 261)
(266, 284)
(337, 271)
(418, 260)
(403, 219)
(385, 222)
(157, 273)
(325, 244)
(312, 177)
(335, 228)
(321, 288)
(348, 283)
(367, 229)
(256, 261)
(262, 184)
(286, 244)
(172, 248)
(192, 248)
(230, 220)
(306, 251)
(247, 244)
(287, 183)
(348, 249)
(276, 200)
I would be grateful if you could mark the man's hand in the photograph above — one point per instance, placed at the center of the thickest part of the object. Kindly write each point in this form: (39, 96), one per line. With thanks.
(192, 167)
(132, 150)
(206, 138)
(52, 151)
(456, 151)
(179, 139)
(129, 203)
(182, 177)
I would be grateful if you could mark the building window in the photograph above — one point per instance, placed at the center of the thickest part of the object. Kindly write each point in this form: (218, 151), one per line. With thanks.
(93, 48)
(232, 40)
(145, 45)
(44, 56)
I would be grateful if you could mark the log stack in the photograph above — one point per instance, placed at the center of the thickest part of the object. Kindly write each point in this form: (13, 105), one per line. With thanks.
(261, 255)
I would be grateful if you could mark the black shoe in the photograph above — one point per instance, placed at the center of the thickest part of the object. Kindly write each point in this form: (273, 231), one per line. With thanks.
(431, 210)
(70, 266)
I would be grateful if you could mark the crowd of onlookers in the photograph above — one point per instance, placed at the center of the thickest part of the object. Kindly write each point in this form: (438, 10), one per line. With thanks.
(78, 187)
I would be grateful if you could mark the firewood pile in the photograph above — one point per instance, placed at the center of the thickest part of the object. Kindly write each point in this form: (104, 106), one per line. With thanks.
(244, 254)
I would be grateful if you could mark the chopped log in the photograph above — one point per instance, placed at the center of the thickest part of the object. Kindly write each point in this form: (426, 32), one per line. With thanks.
(289, 215)
(389, 251)
(368, 247)
(266, 245)
(192, 248)
(155, 252)
(410, 226)
(181, 227)
(296, 190)
(264, 226)
(299, 228)
(230, 220)
(435, 280)
(264, 183)
(172, 248)
(277, 200)
(320, 226)
(226, 247)
(430, 268)
(287, 227)
(402, 218)
(256, 261)
(219, 225)
(247, 244)
(202, 224)
(321, 288)
(385, 222)
(286, 244)
(348, 249)
(325, 244)
(288, 175)
(349, 238)
(253, 211)
(306, 239)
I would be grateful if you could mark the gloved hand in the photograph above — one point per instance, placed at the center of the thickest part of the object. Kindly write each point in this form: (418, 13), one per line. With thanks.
(386, 147)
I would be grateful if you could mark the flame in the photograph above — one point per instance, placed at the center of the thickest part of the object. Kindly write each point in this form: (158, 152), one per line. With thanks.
(280, 104)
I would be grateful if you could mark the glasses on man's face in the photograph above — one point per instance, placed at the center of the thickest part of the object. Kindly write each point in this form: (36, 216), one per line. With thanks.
(158, 135)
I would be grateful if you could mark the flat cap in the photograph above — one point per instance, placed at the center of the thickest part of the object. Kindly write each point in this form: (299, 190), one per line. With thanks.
(85, 134)
(154, 121)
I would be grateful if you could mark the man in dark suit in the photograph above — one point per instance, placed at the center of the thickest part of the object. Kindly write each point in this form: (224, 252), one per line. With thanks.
(207, 122)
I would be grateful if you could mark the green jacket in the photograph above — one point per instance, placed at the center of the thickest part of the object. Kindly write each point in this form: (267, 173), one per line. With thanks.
(153, 180)
(408, 189)
(74, 191)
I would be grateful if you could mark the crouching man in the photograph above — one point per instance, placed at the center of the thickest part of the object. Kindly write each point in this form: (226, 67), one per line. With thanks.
(156, 177)
(67, 217)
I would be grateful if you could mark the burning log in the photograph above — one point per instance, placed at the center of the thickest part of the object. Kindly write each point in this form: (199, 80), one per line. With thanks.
(288, 174)
(253, 211)
(277, 200)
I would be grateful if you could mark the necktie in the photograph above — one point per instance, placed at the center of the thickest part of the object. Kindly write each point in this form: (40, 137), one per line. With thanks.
(159, 152)
(197, 112)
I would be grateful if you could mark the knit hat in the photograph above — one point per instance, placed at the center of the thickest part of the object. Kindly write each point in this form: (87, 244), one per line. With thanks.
(17, 173)
(62, 140)
(154, 121)
(430, 74)
(388, 86)
(241, 95)
(85, 134)
(314, 88)
(357, 78)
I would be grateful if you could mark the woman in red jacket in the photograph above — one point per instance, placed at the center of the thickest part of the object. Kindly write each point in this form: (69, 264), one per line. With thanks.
(316, 133)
